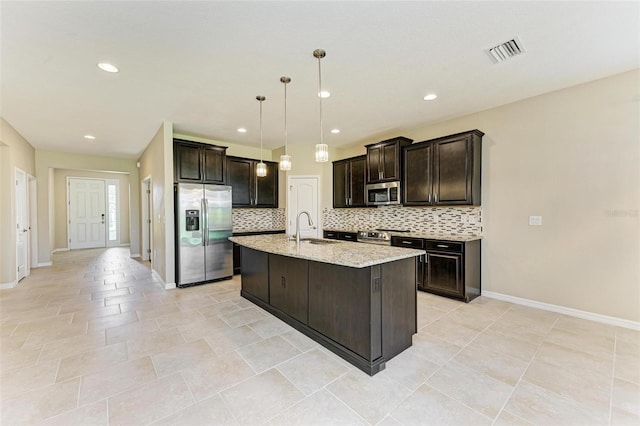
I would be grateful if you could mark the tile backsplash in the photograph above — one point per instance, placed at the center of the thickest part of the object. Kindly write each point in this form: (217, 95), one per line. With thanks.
(435, 220)
(249, 220)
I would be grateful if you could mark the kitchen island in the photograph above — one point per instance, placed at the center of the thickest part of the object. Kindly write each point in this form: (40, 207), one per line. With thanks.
(357, 300)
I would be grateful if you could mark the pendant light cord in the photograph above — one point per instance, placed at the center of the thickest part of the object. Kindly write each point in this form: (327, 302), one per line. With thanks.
(285, 120)
(320, 96)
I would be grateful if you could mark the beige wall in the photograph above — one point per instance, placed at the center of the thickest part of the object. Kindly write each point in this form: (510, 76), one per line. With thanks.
(46, 164)
(232, 149)
(15, 152)
(573, 157)
(156, 163)
(60, 203)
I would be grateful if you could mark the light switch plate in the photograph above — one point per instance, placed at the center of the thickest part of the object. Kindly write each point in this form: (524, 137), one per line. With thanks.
(535, 220)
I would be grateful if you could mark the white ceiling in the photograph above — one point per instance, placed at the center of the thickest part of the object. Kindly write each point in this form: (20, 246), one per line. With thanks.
(201, 64)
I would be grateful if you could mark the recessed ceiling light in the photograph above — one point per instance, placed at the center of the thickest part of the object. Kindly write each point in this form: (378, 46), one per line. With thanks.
(430, 97)
(90, 137)
(324, 94)
(242, 130)
(105, 66)
(335, 131)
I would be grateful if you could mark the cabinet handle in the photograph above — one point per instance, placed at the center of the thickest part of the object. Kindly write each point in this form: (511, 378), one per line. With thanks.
(442, 246)
(407, 242)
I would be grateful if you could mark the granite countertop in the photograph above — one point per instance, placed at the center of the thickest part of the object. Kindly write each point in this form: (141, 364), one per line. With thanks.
(253, 230)
(423, 235)
(344, 253)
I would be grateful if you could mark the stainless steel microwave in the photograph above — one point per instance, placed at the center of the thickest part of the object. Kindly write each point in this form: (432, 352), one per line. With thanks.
(383, 194)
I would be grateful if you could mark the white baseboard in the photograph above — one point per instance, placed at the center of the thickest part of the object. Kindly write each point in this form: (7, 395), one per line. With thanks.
(124, 245)
(59, 249)
(43, 264)
(135, 255)
(5, 286)
(169, 286)
(605, 319)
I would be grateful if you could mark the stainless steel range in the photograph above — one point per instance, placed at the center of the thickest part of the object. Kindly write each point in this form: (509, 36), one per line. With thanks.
(378, 236)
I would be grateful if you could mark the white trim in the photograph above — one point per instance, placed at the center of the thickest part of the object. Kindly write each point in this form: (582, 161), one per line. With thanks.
(124, 245)
(44, 264)
(605, 319)
(167, 286)
(60, 249)
(170, 286)
(135, 255)
(5, 286)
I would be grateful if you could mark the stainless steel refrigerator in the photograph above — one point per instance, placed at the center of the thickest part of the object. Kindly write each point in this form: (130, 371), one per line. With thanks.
(203, 250)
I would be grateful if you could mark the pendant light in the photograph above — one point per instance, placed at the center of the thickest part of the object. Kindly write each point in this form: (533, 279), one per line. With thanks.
(261, 168)
(322, 149)
(285, 160)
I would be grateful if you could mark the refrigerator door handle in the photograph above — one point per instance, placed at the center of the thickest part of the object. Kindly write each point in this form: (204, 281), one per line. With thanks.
(205, 225)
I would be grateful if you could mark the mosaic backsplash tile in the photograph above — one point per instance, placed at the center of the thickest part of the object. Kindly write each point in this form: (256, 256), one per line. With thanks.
(432, 220)
(250, 220)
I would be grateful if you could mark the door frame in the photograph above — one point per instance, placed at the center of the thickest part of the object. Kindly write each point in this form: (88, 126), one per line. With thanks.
(318, 203)
(22, 197)
(32, 191)
(147, 213)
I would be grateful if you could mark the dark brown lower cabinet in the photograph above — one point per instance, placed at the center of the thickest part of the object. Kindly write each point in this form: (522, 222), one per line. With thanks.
(288, 289)
(255, 273)
(452, 269)
(365, 315)
(237, 258)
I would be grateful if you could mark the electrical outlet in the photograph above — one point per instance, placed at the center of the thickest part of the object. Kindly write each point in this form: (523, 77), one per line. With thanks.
(535, 220)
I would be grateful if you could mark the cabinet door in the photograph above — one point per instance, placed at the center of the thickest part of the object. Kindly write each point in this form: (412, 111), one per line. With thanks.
(187, 162)
(288, 289)
(358, 178)
(340, 188)
(213, 161)
(255, 273)
(267, 187)
(452, 171)
(237, 259)
(374, 172)
(390, 166)
(241, 178)
(444, 273)
(416, 177)
(345, 306)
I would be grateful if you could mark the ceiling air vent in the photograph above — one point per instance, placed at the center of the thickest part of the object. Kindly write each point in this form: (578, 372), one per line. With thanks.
(505, 50)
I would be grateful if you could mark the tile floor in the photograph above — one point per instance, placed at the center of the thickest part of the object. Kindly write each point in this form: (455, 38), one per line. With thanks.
(95, 340)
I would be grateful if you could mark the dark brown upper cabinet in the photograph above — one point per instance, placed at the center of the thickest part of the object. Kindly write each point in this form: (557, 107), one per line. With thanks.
(443, 171)
(249, 190)
(198, 162)
(349, 179)
(383, 159)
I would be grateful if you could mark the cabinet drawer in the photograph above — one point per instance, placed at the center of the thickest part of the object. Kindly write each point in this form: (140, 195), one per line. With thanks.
(332, 235)
(417, 243)
(444, 246)
(348, 236)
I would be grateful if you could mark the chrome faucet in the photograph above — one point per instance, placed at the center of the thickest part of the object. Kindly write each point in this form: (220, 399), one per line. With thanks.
(298, 224)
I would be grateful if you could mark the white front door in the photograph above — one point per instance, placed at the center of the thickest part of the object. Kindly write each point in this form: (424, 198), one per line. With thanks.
(303, 196)
(22, 225)
(86, 203)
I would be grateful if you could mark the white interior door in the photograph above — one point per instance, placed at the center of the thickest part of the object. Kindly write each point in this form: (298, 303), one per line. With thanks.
(87, 215)
(303, 196)
(145, 198)
(22, 225)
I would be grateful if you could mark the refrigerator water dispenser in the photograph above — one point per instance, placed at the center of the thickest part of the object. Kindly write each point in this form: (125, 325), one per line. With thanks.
(192, 220)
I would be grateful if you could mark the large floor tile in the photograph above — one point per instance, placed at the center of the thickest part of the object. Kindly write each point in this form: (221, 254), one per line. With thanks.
(28, 378)
(40, 404)
(151, 402)
(626, 397)
(181, 356)
(312, 370)
(229, 339)
(504, 344)
(409, 369)
(112, 380)
(426, 405)
(320, 409)
(268, 353)
(89, 415)
(260, 398)
(215, 374)
(370, 397)
(211, 411)
(493, 363)
(243, 317)
(91, 361)
(153, 342)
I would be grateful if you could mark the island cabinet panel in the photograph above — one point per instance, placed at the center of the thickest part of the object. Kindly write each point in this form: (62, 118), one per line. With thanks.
(288, 289)
(399, 310)
(345, 306)
(255, 273)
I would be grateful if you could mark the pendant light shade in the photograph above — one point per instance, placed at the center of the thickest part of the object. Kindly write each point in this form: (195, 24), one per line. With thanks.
(285, 160)
(261, 168)
(322, 150)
